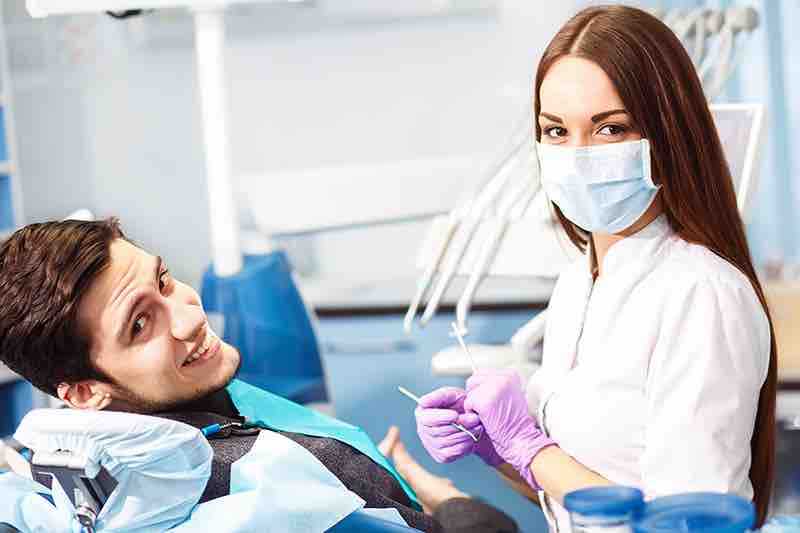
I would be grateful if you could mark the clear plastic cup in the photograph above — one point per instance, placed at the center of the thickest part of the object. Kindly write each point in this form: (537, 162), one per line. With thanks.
(604, 509)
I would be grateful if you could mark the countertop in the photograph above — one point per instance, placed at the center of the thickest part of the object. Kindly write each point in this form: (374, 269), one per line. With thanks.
(337, 297)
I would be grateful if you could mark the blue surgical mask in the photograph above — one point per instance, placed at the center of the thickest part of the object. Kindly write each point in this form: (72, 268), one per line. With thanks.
(602, 188)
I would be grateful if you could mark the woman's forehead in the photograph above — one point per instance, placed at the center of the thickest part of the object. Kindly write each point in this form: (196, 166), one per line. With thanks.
(575, 87)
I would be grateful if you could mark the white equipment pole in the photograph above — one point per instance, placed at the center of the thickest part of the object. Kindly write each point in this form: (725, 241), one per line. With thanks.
(209, 27)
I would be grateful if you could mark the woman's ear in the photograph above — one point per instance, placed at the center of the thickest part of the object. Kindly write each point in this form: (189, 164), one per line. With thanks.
(89, 394)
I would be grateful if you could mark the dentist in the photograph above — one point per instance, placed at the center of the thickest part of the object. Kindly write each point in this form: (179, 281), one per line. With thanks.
(659, 366)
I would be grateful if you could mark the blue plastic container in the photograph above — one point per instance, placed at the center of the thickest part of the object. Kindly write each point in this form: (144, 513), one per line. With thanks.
(705, 512)
(266, 319)
(604, 509)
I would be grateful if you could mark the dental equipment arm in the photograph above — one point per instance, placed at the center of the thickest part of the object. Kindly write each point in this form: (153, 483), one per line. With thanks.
(737, 19)
(453, 222)
(483, 203)
(532, 333)
(520, 133)
(673, 16)
(513, 210)
(694, 26)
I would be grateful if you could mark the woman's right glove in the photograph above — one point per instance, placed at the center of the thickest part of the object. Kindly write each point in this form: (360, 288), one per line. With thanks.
(436, 413)
(497, 396)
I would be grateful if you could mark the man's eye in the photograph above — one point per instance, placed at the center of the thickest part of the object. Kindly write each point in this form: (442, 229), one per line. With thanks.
(612, 129)
(555, 131)
(163, 280)
(139, 325)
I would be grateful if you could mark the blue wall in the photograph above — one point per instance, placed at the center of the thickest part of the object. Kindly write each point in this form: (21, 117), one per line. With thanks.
(774, 229)
(769, 74)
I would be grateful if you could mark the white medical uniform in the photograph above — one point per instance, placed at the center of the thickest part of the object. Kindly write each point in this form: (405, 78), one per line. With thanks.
(651, 374)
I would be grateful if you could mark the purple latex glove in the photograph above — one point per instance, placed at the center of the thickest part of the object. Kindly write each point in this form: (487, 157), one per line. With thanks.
(435, 414)
(498, 399)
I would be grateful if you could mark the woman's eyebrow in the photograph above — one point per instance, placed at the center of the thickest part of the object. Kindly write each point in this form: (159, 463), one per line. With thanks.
(554, 118)
(605, 114)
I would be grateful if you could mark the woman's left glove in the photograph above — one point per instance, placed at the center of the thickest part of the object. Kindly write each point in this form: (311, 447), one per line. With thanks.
(436, 414)
(497, 398)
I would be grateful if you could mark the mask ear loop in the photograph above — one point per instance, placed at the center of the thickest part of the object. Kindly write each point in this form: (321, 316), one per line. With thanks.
(647, 164)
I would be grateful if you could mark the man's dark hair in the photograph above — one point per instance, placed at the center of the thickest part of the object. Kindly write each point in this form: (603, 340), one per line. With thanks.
(45, 269)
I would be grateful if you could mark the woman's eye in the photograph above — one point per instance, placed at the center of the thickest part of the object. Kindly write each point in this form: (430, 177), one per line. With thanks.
(612, 129)
(163, 280)
(139, 325)
(555, 131)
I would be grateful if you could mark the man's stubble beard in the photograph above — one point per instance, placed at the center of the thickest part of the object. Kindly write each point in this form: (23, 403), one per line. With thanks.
(131, 401)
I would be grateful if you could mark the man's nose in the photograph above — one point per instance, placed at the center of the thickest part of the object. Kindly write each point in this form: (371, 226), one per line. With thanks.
(187, 320)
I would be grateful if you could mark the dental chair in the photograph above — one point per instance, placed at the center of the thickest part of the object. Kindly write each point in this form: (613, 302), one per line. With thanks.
(260, 311)
(106, 471)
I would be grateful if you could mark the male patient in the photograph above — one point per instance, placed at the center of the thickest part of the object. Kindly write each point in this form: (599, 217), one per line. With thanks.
(89, 317)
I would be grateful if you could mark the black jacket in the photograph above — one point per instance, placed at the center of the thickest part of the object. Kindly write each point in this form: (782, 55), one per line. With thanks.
(355, 470)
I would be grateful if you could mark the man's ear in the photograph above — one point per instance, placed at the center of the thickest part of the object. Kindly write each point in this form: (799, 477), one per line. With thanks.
(88, 394)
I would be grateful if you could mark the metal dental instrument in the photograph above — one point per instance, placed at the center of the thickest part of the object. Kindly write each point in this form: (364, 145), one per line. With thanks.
(484, 202)
(457, 333)
(456, 425)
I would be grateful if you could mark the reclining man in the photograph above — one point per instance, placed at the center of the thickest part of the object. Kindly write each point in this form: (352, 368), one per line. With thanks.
(89, 317)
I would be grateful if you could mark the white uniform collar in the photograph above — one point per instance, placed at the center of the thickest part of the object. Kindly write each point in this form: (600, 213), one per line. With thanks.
(644, 243)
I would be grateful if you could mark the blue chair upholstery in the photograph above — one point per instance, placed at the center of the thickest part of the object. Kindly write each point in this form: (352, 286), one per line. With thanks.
(359, 522)
(16, 399)
(267, 321)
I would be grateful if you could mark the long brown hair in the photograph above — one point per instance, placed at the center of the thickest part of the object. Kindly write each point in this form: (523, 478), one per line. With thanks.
(659, 87)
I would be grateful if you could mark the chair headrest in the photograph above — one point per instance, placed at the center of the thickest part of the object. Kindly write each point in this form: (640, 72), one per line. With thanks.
(157, 463)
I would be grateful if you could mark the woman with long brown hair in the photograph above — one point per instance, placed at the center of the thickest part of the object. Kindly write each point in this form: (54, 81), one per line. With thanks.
(659, 366)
